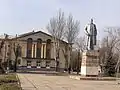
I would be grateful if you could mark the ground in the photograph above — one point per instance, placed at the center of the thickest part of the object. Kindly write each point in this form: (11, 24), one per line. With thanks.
(9, 82)
(49, 82)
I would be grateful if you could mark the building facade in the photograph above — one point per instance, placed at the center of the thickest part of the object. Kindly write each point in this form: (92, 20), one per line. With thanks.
(37, 52)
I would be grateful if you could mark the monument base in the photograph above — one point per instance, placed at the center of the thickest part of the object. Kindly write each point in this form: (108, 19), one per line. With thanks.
(89, 65)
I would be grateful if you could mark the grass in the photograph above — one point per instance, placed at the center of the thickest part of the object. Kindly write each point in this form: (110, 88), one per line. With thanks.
(9, 82)
(10, 86)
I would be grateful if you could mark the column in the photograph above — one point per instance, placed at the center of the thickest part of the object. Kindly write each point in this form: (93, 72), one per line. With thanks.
(42, 51)
(54, 48)
(25, 51)
(35, 49)
(32, 50)
(52, 51)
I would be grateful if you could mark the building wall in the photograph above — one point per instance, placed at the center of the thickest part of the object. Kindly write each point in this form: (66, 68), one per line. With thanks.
(22, 60)
(52, 64)
(5, 51)
(43, 63)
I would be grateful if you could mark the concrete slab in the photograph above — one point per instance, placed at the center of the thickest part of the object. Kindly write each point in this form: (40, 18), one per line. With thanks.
(42, 82)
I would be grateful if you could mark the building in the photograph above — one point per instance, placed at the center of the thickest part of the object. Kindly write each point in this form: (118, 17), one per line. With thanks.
(5, 53)
(37, 52)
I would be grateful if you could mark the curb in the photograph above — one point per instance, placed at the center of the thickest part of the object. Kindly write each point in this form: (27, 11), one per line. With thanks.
(92, 78)
(18, 81)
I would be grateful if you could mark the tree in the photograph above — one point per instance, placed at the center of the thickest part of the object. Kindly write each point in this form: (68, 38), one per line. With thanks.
(56, 28)
(72, 29)
(62, 28)
(109, 51)
(80, 46)
(71, 33)
(3, 54)
(2, 68)
(17, 52)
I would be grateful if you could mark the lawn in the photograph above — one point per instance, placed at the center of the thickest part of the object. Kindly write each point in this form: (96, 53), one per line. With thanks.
(9, 82)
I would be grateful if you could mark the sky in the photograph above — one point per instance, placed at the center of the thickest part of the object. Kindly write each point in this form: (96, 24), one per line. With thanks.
(20, 16)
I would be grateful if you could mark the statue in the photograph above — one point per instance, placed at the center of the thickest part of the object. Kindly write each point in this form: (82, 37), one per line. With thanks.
(91, 32)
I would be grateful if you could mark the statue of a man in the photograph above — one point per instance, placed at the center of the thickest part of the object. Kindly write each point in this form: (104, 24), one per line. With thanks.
(91, 32)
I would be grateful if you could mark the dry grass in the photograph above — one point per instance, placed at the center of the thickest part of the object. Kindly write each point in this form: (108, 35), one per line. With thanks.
(9, 82)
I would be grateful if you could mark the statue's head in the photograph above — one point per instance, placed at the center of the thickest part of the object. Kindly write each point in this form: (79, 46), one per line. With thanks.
(91, 21)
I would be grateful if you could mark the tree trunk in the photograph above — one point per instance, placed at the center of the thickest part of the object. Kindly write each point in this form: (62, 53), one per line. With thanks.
(2, 69)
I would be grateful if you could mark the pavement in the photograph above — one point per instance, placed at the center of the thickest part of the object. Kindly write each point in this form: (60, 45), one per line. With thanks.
(78, 77)
(49, 82)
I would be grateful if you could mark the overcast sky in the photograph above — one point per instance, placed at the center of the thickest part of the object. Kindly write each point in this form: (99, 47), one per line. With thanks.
(19, 16)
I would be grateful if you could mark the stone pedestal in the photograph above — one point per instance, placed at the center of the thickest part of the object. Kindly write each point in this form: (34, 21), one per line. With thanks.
(89, 65)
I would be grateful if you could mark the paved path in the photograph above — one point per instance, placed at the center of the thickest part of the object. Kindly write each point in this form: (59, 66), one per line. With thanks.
(47, 82)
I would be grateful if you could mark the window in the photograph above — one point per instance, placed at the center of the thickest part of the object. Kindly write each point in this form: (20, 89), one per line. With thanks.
(19, 50)
(48, 49)
(29, 47)
(19, 61)
(39, 44)
(8, 45)
(38, 63)
(47, 64)
(28, 63)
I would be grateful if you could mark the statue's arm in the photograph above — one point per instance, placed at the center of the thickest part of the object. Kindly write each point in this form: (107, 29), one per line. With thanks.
(95, 29)
(86, 30)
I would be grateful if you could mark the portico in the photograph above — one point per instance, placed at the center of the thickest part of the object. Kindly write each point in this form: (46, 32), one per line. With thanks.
(38, 52)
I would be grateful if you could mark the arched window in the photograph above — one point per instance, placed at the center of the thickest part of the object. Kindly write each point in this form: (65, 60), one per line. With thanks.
(19, 61)
(29, 47)
(39, 45)
(48, 49)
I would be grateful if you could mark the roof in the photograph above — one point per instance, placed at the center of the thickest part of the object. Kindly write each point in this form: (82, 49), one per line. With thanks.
(2, 37)
(33, 32)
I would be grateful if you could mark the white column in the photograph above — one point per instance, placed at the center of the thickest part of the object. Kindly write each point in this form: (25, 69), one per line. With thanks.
(32, 49)
(25, 51)
(54, 48)
(42, 51)
(35, 49)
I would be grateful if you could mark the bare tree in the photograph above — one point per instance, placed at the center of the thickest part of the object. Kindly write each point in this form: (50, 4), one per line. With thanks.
(3, 54)
(80, 47)
(56, 28)
(71, 33)
(80, 44)
(56, 25)
(72, 29)
(2, 68)
(109, 52)
(61, 28)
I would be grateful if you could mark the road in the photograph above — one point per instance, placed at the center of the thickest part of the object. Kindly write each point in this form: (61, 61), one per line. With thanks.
(49, 82)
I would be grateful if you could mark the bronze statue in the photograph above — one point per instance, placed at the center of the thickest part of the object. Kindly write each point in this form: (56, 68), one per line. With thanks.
(91, 32)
